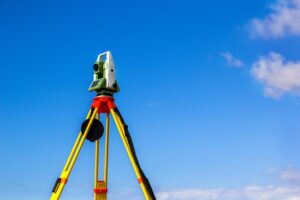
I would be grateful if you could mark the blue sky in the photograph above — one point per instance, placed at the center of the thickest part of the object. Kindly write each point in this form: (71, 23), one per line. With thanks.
(210, 92)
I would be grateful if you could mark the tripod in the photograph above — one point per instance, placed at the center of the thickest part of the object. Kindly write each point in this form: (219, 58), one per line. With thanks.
(92, 130)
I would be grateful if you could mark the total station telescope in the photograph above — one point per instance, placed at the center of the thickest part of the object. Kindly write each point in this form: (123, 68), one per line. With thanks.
(105, 85)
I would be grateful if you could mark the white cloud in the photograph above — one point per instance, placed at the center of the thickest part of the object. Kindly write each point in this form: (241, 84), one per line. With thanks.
(278, 75)
(246, 193)
(282, 21)
(231, 60)
(290, 175)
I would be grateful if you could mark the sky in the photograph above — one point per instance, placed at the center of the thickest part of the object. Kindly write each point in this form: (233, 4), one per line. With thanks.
(209, 89)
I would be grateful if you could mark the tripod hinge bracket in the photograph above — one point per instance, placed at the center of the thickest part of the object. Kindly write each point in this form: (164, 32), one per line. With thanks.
(104, 104)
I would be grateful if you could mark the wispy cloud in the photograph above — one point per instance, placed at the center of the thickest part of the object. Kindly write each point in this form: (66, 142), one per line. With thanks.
(231, 60)
(245, 193)
(290, 174)
(282, 21)
(287, 175)
(278, 75)
(249, 192)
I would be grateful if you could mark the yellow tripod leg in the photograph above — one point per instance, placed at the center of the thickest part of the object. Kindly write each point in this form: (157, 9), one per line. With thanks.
(96, 165)
(100, 191)
(131, 158)
(106, 150)
(62, 180)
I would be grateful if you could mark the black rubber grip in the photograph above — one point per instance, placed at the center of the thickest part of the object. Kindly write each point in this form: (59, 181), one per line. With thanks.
(57, 182)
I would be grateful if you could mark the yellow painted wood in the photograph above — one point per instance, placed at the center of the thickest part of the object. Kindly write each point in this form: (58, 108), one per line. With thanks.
(75, 145)
(121, 130)
(100, 196)
(96, 173)
(106, 150)
(72, 158)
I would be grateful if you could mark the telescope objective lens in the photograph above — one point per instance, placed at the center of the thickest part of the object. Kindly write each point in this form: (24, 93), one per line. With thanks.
(96, 67)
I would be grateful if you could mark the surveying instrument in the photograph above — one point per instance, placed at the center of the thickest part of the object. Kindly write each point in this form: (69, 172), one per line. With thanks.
(105, 85)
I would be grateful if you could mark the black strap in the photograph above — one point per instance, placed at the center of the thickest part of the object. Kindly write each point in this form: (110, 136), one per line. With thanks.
(55, 187)
(127, 134)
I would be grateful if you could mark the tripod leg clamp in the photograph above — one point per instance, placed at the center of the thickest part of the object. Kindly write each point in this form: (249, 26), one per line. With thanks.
(140, 180)
(100, 190)
(58, 181)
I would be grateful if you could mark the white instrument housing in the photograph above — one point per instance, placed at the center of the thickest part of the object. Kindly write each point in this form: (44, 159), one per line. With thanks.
(109, 68)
